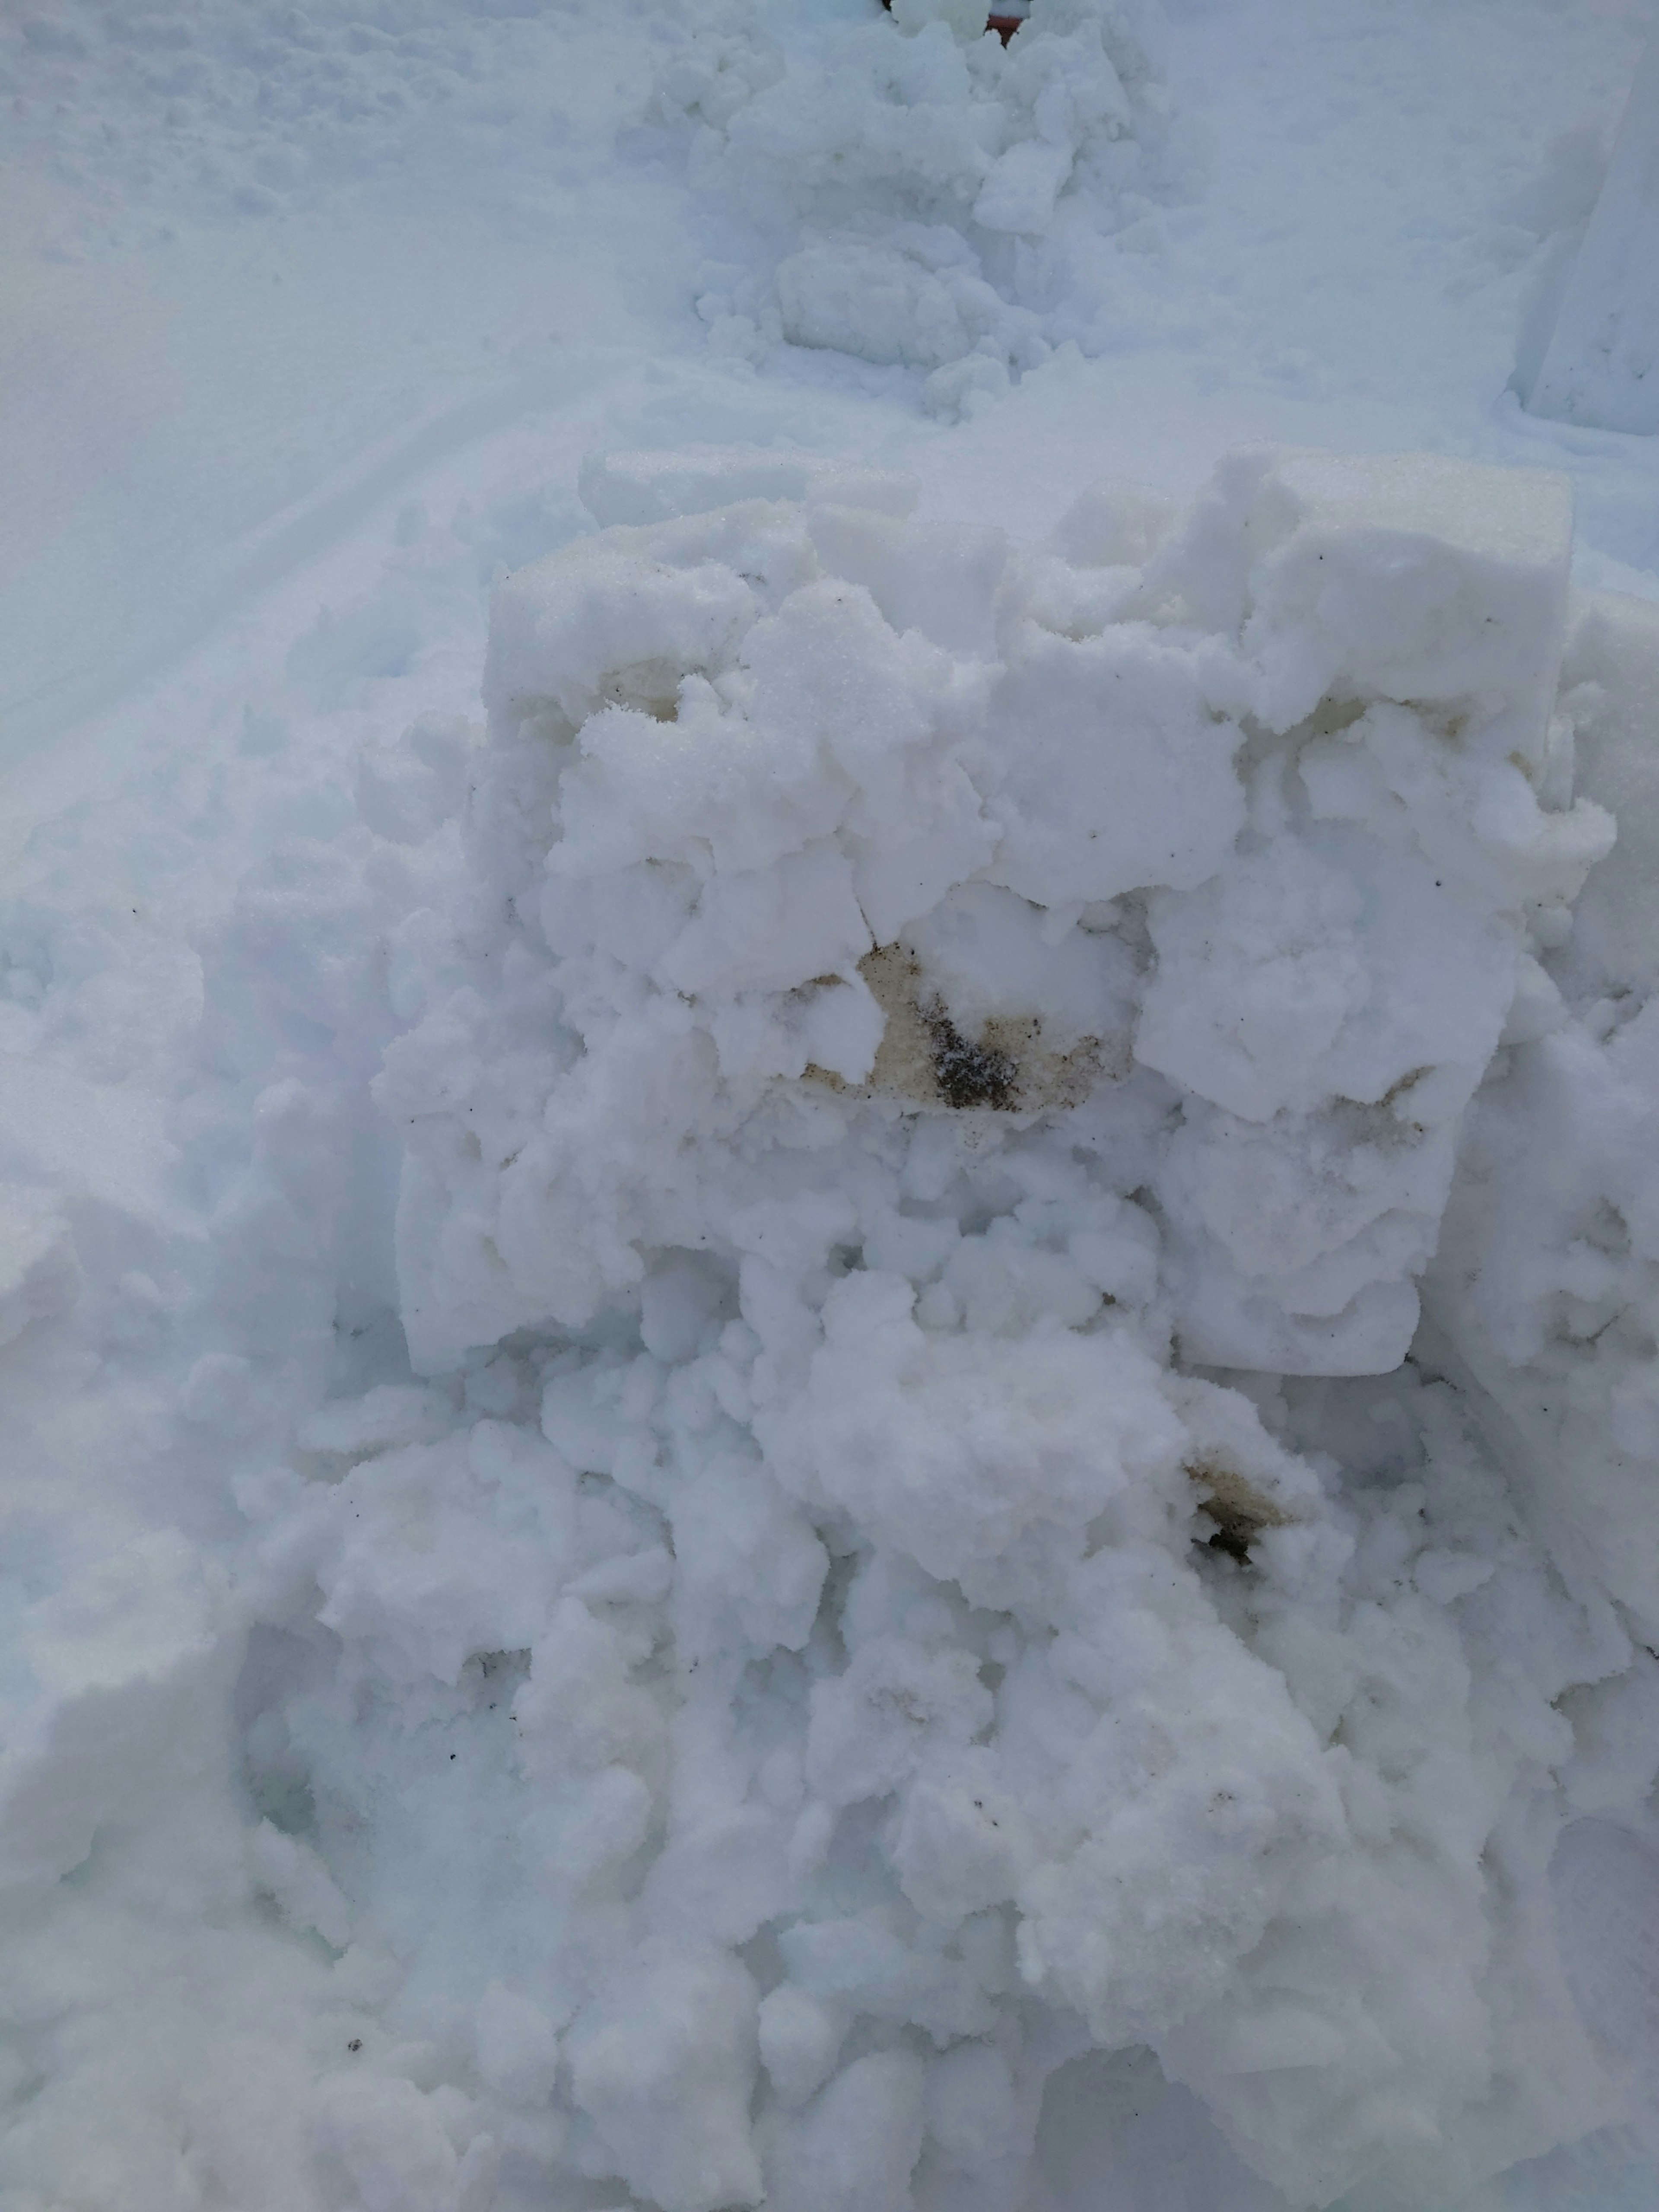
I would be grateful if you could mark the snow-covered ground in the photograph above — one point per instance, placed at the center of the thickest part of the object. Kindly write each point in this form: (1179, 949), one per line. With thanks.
(829, 1262)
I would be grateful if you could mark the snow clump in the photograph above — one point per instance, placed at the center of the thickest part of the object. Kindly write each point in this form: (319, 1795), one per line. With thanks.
(924, 1021)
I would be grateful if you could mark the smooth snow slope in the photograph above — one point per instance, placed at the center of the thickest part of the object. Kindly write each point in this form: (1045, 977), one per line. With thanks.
(312, 317)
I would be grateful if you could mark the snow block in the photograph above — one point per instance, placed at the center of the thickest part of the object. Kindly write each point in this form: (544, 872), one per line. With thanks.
(1412, 577)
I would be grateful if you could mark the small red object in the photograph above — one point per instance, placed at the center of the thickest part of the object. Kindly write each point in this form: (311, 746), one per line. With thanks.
(1003, 25)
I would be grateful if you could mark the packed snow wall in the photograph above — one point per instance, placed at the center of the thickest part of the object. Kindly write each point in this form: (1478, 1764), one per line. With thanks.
(856, 807)
(940, 1038)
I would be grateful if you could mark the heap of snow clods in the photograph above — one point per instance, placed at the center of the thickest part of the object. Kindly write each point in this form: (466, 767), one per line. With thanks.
(938, 200)
(1188, 861)
(951, 1063)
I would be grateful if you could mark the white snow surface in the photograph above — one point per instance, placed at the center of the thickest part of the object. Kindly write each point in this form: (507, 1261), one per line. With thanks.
(828, 1202)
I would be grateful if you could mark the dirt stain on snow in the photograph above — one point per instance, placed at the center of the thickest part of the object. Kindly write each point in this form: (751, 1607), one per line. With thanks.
(1239, 1509)
(926, 1058)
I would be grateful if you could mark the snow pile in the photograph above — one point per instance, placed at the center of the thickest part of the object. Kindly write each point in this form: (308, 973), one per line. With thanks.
(951, 198)
(837, 1631)
(1241, 814)
(907, 994)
